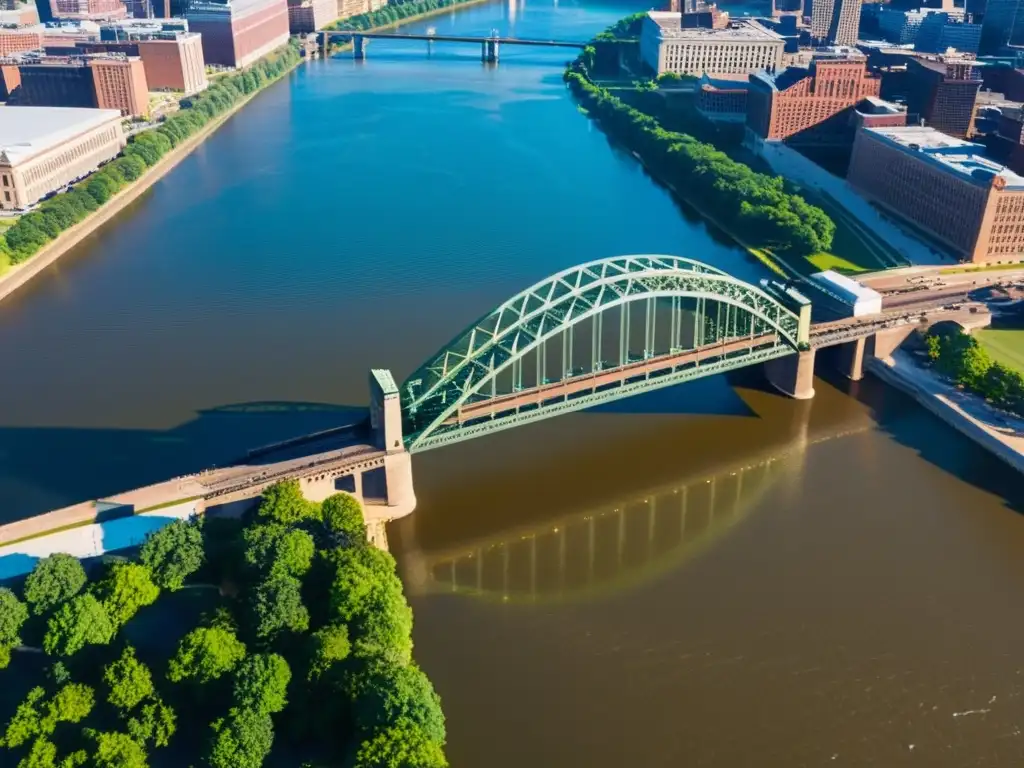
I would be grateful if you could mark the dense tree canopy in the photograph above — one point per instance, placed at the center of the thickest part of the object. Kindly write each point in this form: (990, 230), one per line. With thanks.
(284, 503)
(205, 654)
(261, 683)
(129, 681)
(241, 740)
(253, 666)
(13, 615)
(81, 621)
(53, 580)
(126, 588)
(173, 553)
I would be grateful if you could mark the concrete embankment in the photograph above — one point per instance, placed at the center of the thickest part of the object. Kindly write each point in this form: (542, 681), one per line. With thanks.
(936, 396)
(22, 273)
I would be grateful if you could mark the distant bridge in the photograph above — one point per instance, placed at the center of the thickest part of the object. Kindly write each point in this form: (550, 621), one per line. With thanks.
(490, 46)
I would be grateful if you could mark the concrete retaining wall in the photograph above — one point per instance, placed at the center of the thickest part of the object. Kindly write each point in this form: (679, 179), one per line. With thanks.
(90, 540)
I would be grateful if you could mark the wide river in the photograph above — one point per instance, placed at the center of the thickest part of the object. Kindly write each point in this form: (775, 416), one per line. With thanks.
(712, 575)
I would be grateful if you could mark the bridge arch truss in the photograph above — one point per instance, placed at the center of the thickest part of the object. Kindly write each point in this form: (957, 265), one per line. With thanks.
(495, 374)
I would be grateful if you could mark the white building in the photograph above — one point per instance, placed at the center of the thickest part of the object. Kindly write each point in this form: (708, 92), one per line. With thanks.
(732, 53)
(45, 148)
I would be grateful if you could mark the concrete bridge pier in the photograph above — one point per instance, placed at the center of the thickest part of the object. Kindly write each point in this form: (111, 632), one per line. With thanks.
(850, 358)
(359, 47)
(489, 51)
(793, 374)
(386, 433)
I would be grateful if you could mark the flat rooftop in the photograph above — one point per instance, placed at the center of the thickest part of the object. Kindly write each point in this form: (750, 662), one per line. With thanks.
(27, 131)
(964, 158)
(671, 27)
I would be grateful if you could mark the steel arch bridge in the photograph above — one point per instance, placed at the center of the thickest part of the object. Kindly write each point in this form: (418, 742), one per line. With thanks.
(597, 332)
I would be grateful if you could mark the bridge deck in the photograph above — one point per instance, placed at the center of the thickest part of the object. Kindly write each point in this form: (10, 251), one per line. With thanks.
(456, 38)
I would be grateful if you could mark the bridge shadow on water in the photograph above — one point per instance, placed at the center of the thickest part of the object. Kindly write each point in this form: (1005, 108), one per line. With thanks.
(900, 417)
(46, 467)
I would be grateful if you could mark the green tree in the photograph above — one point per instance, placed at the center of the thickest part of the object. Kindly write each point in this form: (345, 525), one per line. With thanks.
(384, 693)
(173, 553)
(43, 754)
(129, 681)
(284, 503)
(401, 745)
(205, 654)
(77, 623)
(343, 520)
(154, 723)
(329, 645)
(27, 721)
(13, 615)
(274, 550)
(261, 683)
(241, 740)
(126, 588)
(116, 750)
(71, 704)
(54, 580)
(276, 606)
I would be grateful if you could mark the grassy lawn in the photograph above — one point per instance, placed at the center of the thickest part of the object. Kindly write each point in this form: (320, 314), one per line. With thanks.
(988, 268)
(824, 260)
(1005, 345)
(854, 247)
(7, 222)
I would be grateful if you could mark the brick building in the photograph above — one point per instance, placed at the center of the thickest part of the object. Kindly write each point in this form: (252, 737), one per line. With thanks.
(17, 40)
(173, 59)
(56, 82)
(945, 186)
(120, 83)
(236, 33)
(835, 22)
(796, 99)
(88, 9)
(305, 16)
(349, 8)
(942, 93)
(43, 149)
(733, 53)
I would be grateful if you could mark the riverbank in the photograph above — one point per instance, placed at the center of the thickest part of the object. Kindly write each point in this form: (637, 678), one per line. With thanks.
(967, 414)
(427, 14)
(19, 275)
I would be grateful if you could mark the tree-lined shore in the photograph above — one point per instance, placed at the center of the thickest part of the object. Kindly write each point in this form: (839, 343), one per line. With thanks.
(225, 643)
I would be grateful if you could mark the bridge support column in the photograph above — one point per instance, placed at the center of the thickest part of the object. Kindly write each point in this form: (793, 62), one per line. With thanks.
(850, 358)
(793, 374)
(887, 341)
(386, 433)
(489, 51)
(358, 47)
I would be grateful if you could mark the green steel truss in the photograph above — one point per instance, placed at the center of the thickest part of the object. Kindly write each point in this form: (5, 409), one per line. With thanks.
(466, 369)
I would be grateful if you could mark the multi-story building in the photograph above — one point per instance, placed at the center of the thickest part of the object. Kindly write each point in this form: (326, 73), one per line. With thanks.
(796, 100)
(835, 22)
(18, 15)
(733, 53)
(88, 9)
(10, 79)
(722, 100)
(900, 26)
(56, 82)
(120, 83)
(15, 40)
(945, 186)
(306, 16)
(942, 92)
(941, 30)
(1003, 25)
(43, 149)
(171, 55)
(236, 33)
(65, 34)
(349, 8)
